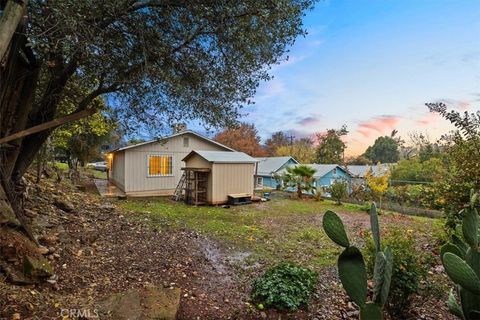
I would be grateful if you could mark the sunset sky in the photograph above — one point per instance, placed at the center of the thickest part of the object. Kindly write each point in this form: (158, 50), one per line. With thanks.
(372, 65)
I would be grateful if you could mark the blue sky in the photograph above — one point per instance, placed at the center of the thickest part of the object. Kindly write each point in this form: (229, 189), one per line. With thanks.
(372, 65)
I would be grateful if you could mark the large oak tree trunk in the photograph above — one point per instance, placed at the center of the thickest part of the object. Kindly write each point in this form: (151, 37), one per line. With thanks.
(19, 109)
(18, 77)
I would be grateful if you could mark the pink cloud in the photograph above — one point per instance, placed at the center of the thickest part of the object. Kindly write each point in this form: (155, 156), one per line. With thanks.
(365, 133)
(462, 105)
(378, 125)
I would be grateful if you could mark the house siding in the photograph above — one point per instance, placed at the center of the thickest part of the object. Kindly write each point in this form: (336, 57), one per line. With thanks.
(137, 181)
(231, 178)
(327, 179)
(195, 161)
(269, 182)
(117, 171)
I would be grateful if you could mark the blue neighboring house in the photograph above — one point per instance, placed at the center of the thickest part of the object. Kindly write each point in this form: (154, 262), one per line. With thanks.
(326, 175)
(268, 168)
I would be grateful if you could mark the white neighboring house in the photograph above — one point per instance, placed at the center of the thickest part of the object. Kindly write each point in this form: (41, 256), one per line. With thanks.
(153, 168)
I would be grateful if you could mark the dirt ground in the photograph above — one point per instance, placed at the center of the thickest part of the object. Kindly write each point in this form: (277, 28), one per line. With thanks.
(98, 250)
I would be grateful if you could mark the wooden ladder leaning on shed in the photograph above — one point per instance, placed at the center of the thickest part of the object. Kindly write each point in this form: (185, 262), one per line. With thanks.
(178, 194)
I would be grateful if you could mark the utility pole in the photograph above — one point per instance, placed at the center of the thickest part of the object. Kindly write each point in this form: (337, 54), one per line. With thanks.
(291, 144)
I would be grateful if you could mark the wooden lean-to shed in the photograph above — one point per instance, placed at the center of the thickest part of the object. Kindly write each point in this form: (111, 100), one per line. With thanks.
(213, 176)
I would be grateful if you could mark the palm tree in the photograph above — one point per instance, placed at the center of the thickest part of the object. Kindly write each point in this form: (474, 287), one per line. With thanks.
(300, 176)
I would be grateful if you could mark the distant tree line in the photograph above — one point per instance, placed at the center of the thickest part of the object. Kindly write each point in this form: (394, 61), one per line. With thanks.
(323, 147)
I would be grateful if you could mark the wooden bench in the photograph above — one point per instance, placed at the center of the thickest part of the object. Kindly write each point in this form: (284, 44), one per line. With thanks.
(239, 198)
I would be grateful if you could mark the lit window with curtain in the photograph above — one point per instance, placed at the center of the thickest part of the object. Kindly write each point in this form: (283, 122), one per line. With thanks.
(160, 165)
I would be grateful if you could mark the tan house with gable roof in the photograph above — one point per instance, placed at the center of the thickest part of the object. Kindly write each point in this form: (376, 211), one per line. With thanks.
(153, 168)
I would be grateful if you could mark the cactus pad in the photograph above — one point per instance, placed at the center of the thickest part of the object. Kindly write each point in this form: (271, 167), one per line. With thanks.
(470, 303)
(371, 311)
(375, 227)
(453, 306)
(461, 273)
(334, 229)
(450, 247)
(470, 227)
(352, 273)
(387, 277)
(460, 244)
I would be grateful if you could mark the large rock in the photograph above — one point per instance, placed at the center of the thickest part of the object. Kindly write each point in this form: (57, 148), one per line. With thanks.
(14, 276)
(21, 259)
(144, 303)
(64, 205)
(38, 267)
(7, 216)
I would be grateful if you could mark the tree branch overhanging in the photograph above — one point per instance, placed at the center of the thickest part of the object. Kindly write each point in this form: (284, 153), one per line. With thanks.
(48, 125)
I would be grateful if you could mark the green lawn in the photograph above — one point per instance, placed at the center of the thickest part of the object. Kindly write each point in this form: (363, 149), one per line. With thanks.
(282, 229)
(97, 174)
(61, 165)
(89, 171)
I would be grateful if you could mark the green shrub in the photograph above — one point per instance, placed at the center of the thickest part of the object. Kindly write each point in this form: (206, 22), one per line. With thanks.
(414, 195)
(408, 269)
(285, 287)
(365, 207)
(338, 191)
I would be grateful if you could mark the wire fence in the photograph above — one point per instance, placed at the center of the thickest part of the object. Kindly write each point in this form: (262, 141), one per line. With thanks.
(404, 182)
(412, 211)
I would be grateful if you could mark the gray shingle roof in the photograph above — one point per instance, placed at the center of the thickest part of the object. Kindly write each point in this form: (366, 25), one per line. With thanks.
(223, 156)
(173, 136)
(321, 169)
(267, 165)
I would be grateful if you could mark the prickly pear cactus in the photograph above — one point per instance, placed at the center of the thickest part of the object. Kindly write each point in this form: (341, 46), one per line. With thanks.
(351, 266)
(461, 259)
